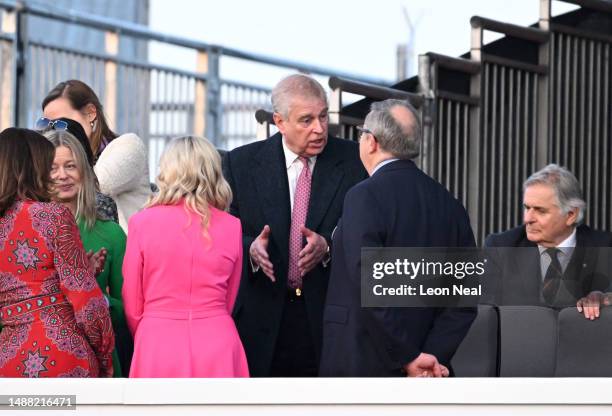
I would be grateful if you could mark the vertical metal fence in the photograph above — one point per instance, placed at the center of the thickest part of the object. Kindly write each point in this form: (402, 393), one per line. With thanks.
(49, 65)
(510, 103)
(239, 102)
(539, 95)
(448, 143)
(7, 64)
(554, 108)
(450, 162)
(490, 120)
(581, 115)
(156, 102)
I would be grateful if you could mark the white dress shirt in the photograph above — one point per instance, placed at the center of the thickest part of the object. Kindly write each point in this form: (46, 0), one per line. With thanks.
(294, 168)
(383, 163)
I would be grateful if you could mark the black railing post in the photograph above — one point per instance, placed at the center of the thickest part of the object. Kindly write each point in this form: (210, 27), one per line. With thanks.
(426, 77)
(544, 90)
(21, 90)
(214, 110)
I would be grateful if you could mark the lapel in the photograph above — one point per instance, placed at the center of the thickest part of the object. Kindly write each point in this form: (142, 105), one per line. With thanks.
(577, 265)
(582, 263)
(528, 267)
(532, 273)
(326, 179)
(270, 181)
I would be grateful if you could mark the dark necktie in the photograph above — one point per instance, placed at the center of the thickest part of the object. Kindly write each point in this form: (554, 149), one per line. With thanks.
(552, 280)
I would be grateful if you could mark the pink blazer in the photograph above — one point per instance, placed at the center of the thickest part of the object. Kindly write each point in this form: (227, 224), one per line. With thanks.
(171, 270)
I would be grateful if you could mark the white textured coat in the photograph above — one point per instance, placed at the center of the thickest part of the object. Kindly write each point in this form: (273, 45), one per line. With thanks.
(123, 173)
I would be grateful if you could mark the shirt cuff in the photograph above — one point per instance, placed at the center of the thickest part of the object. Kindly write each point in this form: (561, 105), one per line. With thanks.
(326, 257)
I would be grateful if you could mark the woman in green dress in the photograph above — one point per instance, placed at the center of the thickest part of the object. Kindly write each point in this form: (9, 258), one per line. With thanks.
(75, 187)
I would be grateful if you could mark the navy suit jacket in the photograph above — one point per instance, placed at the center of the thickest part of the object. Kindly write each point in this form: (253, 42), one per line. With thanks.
(399, 206)
(515, 277)
(257, 175)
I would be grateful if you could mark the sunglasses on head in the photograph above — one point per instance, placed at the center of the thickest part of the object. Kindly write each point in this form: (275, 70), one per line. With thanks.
(44, 123)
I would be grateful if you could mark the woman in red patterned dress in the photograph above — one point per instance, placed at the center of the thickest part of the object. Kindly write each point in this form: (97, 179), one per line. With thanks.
(55, 319)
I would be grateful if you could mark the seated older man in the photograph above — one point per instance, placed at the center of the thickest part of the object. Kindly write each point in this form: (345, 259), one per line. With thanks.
(561, 260)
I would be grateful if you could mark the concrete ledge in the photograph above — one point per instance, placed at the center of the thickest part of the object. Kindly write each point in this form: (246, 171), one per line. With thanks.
(359, 391)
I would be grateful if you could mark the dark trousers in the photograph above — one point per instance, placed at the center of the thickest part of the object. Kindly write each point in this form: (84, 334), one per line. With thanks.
(294, 354)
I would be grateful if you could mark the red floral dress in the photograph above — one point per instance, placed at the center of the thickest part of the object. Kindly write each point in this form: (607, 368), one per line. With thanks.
(55, 319)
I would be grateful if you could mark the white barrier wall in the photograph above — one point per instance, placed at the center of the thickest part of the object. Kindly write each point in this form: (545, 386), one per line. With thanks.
(529, 396)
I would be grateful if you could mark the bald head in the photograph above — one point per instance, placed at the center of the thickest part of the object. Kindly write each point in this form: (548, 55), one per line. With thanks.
(397, 128)
(404, 118)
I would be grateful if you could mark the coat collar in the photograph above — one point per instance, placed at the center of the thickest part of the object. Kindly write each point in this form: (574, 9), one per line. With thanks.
(396, 165)
(326, 179)
(270, 179)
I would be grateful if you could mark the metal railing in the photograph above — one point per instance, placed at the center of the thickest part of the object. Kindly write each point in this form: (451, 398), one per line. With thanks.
(154, 101)
(539, 95)
(448, 143)
(512, 106)
(581, 115)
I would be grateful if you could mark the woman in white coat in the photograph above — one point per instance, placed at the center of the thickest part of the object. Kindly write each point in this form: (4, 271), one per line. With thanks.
(121, 161)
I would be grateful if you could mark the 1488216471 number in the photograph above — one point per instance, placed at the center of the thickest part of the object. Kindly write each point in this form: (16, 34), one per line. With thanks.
(39, 401)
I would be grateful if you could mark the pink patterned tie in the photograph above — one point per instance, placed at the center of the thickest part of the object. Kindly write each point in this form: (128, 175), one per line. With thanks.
(298, 218)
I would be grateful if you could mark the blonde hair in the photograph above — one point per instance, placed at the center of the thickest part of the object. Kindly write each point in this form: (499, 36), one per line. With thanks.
(190, 169)
(86, 197)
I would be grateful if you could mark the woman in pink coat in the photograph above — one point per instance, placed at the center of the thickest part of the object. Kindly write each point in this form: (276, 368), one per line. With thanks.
(182, 269)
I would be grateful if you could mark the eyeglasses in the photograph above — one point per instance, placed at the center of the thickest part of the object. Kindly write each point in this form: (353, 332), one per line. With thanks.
(45, 123)
(363, 130)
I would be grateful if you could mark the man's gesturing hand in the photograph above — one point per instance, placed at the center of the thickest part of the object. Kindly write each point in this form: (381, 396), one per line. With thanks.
(313, 252)
(259, 252)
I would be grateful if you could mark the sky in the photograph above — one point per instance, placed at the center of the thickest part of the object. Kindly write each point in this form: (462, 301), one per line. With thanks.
(356, 36)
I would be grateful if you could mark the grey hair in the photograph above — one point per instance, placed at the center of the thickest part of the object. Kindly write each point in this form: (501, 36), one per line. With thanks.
(402, 140)
(565, 185)
(296, 85)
